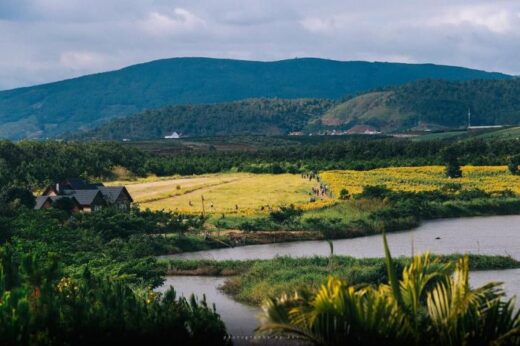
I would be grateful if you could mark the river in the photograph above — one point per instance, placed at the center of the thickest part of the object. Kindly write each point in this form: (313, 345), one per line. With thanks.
(496, 235)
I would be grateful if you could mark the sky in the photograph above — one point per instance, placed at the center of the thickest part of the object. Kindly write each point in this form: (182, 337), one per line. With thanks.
(48, 40)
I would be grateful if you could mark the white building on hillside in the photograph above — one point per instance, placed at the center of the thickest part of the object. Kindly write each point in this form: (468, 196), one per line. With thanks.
(174, 135)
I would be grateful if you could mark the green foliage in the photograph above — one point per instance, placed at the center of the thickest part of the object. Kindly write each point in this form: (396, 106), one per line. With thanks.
(65, 204)
(513, 163)
(247, 117)
(428, 305)
(30, 164)
(344, 195)
(285, 214)
(52, 109)
(434, 104)
(451, 160)
(253, 281)
(42, 306)
(27, 164)
(14, 198)
(371, 191)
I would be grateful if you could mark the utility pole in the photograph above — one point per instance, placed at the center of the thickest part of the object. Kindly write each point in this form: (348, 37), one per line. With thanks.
(469, 117)
(203, 209)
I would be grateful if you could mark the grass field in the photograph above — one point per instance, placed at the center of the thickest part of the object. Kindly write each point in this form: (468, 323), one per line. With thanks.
(224, 192)
(426, 178)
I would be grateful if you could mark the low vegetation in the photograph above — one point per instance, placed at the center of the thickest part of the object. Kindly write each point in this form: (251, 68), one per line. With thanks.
(253, 281)
(491, 179)
(232, 193)
(88, 278)
(431, 304)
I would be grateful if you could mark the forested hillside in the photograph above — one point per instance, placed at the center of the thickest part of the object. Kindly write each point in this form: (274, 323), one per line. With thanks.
(251, 117)
(433, 104)
(421, 105)
(55, 108)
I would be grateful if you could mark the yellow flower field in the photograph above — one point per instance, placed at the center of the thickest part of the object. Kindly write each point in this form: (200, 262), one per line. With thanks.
(425, 178)
(224, 192)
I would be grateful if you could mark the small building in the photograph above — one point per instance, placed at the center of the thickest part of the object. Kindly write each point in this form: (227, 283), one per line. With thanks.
(86, 197)
(47, 202)
(174, 135)
(297, 133)
(117, 196)
(363, 130)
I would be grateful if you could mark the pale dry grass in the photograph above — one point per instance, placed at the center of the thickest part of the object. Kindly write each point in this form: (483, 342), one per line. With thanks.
(225, 192)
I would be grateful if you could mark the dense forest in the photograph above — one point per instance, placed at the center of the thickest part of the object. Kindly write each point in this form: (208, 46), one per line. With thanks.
(433, 104)
(52, 109)
(421, 105)
(248, 117)
(89, 279)
(35, 164)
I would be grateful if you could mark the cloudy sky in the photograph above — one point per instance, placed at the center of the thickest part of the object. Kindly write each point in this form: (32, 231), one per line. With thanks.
(48, 40)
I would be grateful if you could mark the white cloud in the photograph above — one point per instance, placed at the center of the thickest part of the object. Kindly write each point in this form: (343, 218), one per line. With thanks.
(492, 18)
(180, 21)
(46, 40)
(319, 25)
(82, 60)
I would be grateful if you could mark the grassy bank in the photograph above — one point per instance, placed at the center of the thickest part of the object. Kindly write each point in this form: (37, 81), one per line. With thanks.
(388, 212)
(254, 280)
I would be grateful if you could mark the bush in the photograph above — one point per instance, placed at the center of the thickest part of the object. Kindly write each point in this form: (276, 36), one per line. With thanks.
(286, 214)
(255, 225)
(374, 191)
(344, 195)
(42, 306)
(513, 163)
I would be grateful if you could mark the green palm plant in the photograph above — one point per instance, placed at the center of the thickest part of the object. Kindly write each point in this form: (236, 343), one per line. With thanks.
(431, 304)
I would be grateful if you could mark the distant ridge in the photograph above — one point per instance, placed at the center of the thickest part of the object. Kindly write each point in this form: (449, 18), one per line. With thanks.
(420, 106)
(79, 103)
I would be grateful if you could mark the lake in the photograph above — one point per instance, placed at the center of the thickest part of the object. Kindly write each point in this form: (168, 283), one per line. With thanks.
(496, 235)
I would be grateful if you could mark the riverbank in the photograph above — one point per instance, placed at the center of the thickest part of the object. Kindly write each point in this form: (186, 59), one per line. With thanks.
(369, 215)
(252, 281)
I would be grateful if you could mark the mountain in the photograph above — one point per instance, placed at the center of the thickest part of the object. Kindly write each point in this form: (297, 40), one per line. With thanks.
(70, 105)
(246, 117)
(420, 105)
(432, 104)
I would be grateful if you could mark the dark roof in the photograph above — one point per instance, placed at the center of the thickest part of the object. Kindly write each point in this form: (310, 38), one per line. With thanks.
(86, 197)
(40, 201)
(111, 193)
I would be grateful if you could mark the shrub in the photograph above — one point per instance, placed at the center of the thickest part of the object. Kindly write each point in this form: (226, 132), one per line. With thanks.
(374, 191)
(344, 195)
(286, 214)
(513, 163)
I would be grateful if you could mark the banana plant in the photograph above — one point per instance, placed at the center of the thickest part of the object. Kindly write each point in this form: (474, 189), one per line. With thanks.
(429, 304)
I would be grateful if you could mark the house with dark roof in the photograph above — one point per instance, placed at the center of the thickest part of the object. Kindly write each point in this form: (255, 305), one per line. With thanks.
(47, 202)
(87, 197)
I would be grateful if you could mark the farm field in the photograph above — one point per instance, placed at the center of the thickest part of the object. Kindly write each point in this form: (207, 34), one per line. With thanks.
(426, 178)
(223, 193)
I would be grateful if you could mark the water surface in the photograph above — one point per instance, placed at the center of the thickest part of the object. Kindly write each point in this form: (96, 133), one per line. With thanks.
(495, 235)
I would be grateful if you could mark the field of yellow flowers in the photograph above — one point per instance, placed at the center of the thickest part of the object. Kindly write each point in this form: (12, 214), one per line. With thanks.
(426, 178)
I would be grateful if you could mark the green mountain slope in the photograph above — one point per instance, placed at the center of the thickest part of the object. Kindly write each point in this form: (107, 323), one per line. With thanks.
(246, 117)
(432, 104)
(52, 109)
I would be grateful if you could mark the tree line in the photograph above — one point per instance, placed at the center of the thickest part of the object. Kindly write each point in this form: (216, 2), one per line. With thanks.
(35, 164)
